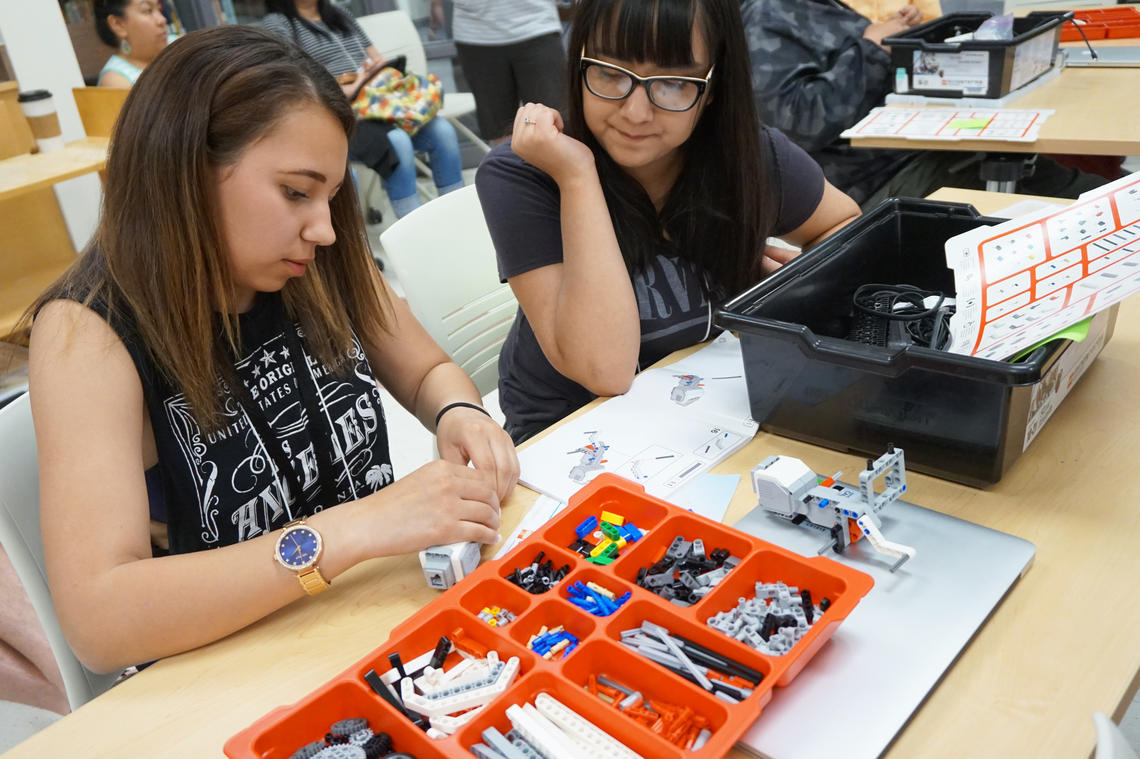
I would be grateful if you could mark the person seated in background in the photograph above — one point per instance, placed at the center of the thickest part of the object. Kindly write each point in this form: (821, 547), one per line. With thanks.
(137, 28)
(881, 10)
(337, 42)
(621, 228)
(227, 324)
(511, 53)
(818, 67)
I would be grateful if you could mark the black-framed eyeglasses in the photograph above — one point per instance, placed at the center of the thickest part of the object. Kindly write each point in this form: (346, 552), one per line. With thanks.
(669, 93)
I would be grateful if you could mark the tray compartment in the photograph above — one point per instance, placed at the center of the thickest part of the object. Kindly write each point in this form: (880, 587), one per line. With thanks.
(552, 613)
(424, 637)
(610, 660)
(636, 612)
(599, 497)
(653, 547)
(601, 715)
(525, 555)
(494, 591)
(282, 732)
(597, 576)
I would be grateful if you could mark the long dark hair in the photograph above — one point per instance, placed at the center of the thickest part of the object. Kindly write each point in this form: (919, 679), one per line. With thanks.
(333, 17)
(718, 212)
(103, 9)
(158, 258)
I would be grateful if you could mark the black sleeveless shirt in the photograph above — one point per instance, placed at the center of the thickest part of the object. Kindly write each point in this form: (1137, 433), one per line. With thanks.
(224, 486)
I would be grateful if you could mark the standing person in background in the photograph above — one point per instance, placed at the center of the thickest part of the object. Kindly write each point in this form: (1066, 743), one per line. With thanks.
(338, 43)
(137, 29)
(511, 52)
(818, 67)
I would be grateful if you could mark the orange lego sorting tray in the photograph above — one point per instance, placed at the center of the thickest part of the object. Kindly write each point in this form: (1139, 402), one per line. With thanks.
(1101, 23)
(599, 651)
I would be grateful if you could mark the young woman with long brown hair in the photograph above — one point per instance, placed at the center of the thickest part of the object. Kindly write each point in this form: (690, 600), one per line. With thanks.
(228, 325)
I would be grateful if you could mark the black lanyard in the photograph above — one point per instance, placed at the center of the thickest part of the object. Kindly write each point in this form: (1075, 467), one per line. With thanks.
(321, 434)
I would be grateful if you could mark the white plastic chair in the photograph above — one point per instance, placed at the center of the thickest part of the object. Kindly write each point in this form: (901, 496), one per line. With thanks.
(394, 34)
(1110, 741)
(442, 255)
(20, 536)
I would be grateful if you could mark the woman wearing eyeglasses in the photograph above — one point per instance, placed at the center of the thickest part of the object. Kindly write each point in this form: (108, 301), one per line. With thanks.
(622, 227)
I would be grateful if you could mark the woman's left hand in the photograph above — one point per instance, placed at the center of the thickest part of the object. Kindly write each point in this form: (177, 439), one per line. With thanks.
(467, 436)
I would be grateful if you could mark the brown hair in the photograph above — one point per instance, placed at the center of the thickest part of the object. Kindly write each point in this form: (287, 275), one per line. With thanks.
(158, 253)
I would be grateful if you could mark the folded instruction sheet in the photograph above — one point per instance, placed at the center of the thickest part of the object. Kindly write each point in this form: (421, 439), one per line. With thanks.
(1028, 278)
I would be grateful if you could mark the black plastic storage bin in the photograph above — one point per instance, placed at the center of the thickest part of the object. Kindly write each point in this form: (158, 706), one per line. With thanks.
(957, 417)
(982, 68)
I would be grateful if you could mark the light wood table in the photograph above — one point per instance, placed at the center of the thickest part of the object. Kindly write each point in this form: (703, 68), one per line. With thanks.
(33, 171)
(1061, 646)
(1096, 111)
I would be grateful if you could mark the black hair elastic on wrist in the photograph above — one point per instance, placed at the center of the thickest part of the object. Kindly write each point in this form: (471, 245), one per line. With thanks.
(464, 404)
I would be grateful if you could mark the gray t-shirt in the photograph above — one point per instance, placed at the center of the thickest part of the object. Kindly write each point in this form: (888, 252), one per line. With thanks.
(521, 205)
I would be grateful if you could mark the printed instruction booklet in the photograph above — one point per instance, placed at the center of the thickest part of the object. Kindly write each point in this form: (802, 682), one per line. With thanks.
(675, 422)
(1026, 279)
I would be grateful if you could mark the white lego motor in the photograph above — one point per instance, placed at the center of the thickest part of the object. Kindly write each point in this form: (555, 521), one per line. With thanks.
(446, 565)
(780, 484)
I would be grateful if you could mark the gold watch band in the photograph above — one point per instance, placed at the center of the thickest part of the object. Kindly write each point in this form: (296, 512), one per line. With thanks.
(312, 581)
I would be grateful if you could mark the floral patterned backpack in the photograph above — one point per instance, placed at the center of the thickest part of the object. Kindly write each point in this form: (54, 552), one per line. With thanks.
(407, 100)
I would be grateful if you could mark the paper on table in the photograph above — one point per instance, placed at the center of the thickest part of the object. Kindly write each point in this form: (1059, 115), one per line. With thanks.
(1030, 277)
(1007, 125)
(969, 123)
(675, 422)
(544, 509)
(707, 495)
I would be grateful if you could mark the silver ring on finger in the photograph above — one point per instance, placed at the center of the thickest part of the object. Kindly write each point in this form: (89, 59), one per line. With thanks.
(528, 121)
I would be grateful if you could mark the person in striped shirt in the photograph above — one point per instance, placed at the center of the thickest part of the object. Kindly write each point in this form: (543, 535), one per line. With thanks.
(338, 43)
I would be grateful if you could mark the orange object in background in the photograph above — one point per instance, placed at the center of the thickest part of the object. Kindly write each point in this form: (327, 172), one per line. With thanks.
(1103, 23)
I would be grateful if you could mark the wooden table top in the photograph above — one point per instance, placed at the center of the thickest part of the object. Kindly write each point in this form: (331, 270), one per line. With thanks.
(1062, 645)
(31, 171)
(1095, 114)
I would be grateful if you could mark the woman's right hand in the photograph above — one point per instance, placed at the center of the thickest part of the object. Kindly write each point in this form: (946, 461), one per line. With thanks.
(538, 138)
(439, 503)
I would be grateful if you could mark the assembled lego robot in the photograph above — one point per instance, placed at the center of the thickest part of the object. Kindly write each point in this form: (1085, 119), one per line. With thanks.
(786, 487)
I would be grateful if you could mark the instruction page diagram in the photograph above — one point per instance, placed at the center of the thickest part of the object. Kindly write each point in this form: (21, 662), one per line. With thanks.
(1024, 280)
(675, 422)
(1007, 125)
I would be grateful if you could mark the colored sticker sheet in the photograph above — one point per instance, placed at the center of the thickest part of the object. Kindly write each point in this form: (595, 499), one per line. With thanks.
(1022, 281)
(675, 423)
(1005, 124)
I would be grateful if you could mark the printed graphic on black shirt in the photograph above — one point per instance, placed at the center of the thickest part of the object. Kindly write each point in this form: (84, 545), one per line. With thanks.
(236, 489)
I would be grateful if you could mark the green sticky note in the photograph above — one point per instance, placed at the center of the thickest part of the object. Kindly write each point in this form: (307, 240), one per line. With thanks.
(969, 123)
(1075, 332)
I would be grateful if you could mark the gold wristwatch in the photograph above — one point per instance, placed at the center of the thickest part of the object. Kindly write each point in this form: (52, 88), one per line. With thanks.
(298, 548)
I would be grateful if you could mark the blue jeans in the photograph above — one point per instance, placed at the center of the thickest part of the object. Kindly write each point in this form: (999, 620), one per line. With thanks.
(437, 138)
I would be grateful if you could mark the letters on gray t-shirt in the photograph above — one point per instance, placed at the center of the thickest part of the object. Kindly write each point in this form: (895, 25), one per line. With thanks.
(522, 208)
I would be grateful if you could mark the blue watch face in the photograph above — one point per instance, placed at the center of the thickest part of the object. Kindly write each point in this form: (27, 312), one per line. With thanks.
(299, 547)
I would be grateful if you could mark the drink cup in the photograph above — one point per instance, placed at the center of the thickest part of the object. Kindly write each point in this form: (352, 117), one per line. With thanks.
(39, 110)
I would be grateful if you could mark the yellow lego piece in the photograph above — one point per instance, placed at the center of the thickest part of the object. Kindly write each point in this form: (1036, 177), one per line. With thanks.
(613, 518)
(606, 543)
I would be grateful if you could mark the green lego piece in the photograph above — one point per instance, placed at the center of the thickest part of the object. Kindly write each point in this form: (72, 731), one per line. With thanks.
(611, 531)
